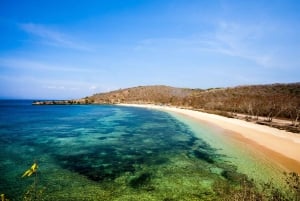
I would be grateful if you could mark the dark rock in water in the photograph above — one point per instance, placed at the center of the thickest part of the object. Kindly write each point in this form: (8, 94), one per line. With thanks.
(228, 174)
(140, 180)
(203, 156)
(160, 161)
(126, 144)
(62, 102)
(204, 145)
(109, 166)
(168, 199)
(192, 141)
(231, 174)
(128, 135)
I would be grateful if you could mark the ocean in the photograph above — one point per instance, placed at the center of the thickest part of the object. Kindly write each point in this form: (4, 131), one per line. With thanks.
(110, 152)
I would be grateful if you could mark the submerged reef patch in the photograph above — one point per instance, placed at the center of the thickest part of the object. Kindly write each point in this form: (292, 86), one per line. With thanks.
(112, 153)
(140, 180)
(131, 144)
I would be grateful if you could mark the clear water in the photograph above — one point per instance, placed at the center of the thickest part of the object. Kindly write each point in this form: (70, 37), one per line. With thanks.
(93, 152)
(254, 163)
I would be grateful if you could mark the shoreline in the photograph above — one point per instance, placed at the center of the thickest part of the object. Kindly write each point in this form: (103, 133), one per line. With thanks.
(280, 146)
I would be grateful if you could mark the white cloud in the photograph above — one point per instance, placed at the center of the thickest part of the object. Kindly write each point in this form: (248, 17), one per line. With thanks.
(55, 87)
(93, 87)
(52, 37)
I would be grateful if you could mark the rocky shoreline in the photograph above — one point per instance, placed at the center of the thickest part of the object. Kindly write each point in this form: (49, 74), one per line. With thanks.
(61, 102)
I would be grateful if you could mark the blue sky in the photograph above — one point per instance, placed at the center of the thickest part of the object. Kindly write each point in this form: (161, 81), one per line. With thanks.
(63, 49)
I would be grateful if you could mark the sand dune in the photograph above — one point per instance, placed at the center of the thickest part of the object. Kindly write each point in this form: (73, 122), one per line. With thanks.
(282, 146)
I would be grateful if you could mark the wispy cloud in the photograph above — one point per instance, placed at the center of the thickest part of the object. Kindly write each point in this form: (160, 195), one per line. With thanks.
(52, 37)
(245, 41)
(70, 85)
(35, 75)
(93, 87)
(18, 63)
(40, 83)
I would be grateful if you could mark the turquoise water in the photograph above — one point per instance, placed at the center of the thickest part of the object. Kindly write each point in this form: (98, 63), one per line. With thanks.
(93, 152)
(254, 163)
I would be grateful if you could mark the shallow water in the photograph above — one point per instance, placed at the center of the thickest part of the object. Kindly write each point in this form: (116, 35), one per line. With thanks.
(248, 160)
(92, 152)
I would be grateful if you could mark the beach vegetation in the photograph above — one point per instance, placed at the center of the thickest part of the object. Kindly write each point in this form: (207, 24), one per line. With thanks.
(141, 180)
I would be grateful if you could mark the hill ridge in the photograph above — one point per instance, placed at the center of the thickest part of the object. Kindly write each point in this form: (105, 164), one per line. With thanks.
(268, 100)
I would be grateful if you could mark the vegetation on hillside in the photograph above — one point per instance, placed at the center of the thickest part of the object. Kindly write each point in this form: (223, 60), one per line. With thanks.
(269, 101)
(277, 100)
(144, 94)
(250, 102)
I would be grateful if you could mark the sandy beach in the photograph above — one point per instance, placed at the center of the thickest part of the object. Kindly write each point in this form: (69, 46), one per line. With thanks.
(281, 146)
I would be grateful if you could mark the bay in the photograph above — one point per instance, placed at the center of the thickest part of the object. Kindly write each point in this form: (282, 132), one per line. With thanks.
(109, 152)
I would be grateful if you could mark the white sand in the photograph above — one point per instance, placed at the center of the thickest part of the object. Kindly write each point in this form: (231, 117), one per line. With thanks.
(282, 142)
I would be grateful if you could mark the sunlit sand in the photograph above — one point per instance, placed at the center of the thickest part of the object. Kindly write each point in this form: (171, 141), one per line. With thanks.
(281, 146)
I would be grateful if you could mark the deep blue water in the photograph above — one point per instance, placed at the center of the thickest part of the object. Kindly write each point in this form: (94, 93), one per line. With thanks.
(99, 142)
